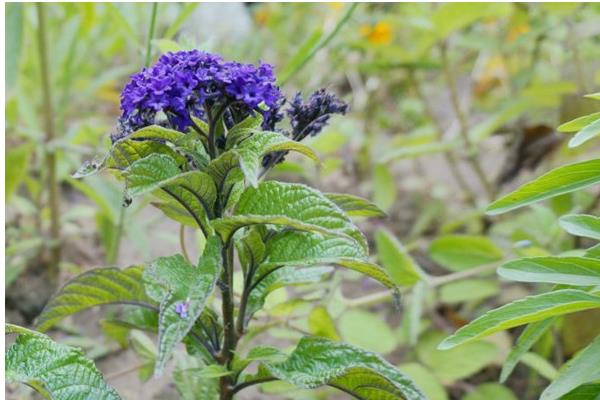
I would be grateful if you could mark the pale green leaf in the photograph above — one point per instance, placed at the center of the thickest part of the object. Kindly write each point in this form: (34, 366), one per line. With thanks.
(540, 365)
(56, 371)
(523, 311)
(16, 164)
(384, 187)
(468, 290)
(583, 368)
(355, 206)
(490, 391)
(559, 181)
(378, 337)
(14, 40)
(578, 123)
(577, 271)
(189, 384)
(460, 252)
(530, 335)
(321, 324)
(316, 362)
(581, 225)
(93, 288)
(173, 282)
(587, 133)
(396, 260)
(425, 380)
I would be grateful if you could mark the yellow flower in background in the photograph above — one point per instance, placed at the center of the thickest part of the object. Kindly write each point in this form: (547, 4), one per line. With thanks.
(516, 31)
(261, 16)
(380, 33)
(335, 5)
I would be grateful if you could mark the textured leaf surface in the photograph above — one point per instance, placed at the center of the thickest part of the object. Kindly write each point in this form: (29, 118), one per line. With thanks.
(127, 151)
(362, 374)
(294, 205)
(149, 173)
(460, 252)
(355, 206)
(530, 335)
(396, 260)
(523, 311)
(579, 271)
(243, 130)
(173, 282)
(559, 181)
(253, 149)
(304, 248)
(228, 177)
(60, 372)
(581, 225)
(93, 288)
(583, 368)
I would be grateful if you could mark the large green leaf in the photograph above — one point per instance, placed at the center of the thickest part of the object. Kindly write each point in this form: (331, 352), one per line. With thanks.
(355, 206)
(583, 368)
(253, 149)
(57, 371)
(304, 248)
(523, 311)
(581, 225)
(289, 204)
(243, 130)
(228, 177)
(316, 362)
(149, 173)
(530, 335)
(381, 339)
(175, 283)
(127, 151)
(396, 260)
(460, 252)
(589, 132)
(559, 181)
(93, 288)
(578, 123)
(578, 271)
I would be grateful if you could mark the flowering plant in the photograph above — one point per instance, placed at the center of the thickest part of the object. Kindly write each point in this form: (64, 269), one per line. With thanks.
(199, 133)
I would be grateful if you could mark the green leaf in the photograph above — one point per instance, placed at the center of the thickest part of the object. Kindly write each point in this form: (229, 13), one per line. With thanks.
(384, 187)
(523, 311)
(146, 352)
(594, 96)
(355, 206)
(577, 271)
(189, 384)
(425, 380)
(378, 338)
(253, 149)
(321, 324)
(578, 123)
(584, 392)
(581, 225)
(127, 151)
(243, 130)
(157, 133)
(149, 173)
(229, 178)
(55, 370)
(304, 249)
(587, 133)
(559, 181)
(583, 368)
(294, 205)
(454, 364)
(93, 288)
(16, 164)
(530, 335)
(14, 41)
(468, 290)
(460, 252)
(316, 362)
(173, 282)
(540, 365)
(396, 260)
(286, 276)
(490, 391)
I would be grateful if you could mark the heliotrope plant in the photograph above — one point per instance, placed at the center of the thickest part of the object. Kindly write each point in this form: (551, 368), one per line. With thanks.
(199, 133)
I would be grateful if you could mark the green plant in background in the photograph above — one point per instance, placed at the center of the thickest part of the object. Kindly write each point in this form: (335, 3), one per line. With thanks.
(198, 133)
(575, 277)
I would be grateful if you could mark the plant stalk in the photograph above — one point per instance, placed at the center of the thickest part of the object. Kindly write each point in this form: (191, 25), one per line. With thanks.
(50, 152)
(151, 35)
(230, 338)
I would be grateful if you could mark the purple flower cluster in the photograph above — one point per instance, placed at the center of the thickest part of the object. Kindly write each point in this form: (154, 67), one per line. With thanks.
(309, 118)
(183, 84)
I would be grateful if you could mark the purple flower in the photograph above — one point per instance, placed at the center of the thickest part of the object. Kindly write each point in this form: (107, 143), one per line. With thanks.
(309, 118)
(182, 309)
(180, 85)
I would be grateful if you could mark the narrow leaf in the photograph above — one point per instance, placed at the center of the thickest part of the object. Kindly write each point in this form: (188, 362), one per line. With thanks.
(523, 311)
(396, 260)
(559, 181)
(355, 206)
(460, 252)
(578, 123)
(581, 225)
(587, 133)
(577, 271)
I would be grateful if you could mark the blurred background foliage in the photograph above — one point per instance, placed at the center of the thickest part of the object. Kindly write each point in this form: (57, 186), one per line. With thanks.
(451, 105)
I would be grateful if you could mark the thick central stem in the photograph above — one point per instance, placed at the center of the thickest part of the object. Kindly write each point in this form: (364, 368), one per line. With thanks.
(226, 383)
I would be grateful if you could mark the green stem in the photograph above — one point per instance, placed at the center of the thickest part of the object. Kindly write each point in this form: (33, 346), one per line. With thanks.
(50, 152)
(150, 34)
(116, 245)
(229, 335)
(472, 158)
(321, 44)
